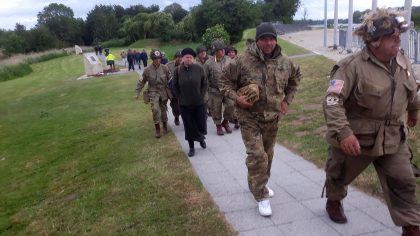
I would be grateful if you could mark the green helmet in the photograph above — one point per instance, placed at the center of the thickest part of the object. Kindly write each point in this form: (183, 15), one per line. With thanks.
(201, 48)
(217, 44)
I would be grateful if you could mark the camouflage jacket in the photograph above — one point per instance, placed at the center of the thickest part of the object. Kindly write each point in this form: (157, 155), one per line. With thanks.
(369, 100)
(213, 70)
(172, 65)
(157, 78)
(277, 79)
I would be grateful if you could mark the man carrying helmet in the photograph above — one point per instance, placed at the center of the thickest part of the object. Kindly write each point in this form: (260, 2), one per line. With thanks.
(262, 82)
(157, 77)
(369, 105)
(220, 106)
(172, 65)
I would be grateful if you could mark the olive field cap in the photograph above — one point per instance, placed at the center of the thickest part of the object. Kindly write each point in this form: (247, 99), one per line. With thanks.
(265, 29)
(201, 48)
(155, 54)
(380, 23)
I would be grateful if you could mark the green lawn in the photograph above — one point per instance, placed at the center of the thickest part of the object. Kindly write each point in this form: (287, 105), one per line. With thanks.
(79, 157)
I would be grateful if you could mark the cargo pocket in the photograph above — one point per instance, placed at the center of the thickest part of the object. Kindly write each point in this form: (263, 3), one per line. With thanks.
(366, 133)
(369, 95)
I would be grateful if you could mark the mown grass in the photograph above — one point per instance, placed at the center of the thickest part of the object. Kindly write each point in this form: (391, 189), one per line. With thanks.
(79, 157)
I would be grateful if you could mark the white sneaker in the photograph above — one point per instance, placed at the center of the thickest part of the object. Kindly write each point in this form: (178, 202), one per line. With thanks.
(270, 192)
(264, 207)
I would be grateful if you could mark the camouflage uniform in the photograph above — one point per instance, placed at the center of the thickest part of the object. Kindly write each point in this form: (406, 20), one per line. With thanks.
(157, 78)
(369, 100)
(277, 79)
(213, 70)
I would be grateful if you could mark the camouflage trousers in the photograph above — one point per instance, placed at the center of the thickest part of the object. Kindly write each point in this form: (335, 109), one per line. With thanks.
(175, 107)
(259, 139)
(394, 172)
(220, 106)
(159, 109)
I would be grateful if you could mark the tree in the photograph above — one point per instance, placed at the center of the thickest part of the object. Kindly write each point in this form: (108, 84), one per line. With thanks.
(101, 24)
(177, 12)
(52, 12)
(149, 25)
(213, 33)
(60, 21)
(235, 15)
(283, 10)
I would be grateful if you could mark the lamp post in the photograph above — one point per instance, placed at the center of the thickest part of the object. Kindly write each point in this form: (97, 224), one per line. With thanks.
(335, 23)
(325, 24)
(405, 36)
(349, 38)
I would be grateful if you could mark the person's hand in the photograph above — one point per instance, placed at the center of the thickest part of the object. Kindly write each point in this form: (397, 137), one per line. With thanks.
(411, 122)
(284, 107)
(242, 102)
(136, 97)
(350, 146)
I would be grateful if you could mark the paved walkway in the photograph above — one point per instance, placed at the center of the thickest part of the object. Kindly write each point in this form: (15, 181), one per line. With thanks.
(298, 208)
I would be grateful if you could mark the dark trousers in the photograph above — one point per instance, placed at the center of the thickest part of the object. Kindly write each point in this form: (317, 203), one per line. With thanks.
(130, 65)
(194, 119)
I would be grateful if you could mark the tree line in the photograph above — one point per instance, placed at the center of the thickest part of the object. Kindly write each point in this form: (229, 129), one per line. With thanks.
(57, 27)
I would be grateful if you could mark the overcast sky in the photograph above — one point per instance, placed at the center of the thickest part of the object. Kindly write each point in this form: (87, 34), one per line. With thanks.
(25, 11)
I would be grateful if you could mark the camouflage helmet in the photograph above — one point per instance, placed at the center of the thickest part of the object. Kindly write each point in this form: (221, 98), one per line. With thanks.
(251, 93)
(380, 23)
(155, 54)
(201, 48)
(178, 53)
(217, 44)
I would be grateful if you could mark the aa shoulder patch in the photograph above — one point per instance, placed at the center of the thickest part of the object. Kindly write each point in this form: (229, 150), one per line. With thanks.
(336, 86)
(332, 100)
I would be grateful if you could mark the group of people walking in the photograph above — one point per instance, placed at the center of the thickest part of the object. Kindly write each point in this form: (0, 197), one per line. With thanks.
(370, 104)
(134, 57)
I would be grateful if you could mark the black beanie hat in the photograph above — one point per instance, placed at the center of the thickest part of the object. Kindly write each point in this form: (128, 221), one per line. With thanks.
(265, 28)
(188, 51)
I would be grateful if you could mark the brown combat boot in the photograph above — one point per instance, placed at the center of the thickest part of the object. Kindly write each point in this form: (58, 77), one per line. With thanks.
(236, 122)
(165, 127)
(219, 130)
(225, 124)
(335, 211)
(410, 231)
(157, 128)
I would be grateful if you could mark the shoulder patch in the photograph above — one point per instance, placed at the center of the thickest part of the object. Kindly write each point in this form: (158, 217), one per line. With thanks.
(332, 100)
(336, 86)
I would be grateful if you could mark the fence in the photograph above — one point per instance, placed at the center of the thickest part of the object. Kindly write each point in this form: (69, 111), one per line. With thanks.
(414, 45)
(413, 51)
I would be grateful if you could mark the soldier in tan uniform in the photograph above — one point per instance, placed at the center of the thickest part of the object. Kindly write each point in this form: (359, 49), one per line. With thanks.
(157, 76)
(220, 106)
(202, 56)
(172, 65)
(370, 102)
(276, 79)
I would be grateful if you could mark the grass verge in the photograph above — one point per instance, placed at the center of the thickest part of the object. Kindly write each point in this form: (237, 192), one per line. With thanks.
(79, 157)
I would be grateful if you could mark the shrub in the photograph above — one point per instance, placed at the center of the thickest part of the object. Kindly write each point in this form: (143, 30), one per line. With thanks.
(216, 32)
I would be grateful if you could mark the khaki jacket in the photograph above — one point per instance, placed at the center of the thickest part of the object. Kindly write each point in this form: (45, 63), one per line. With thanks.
(277, 79)
(371, 101)
(157, 79)
(213, 70)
